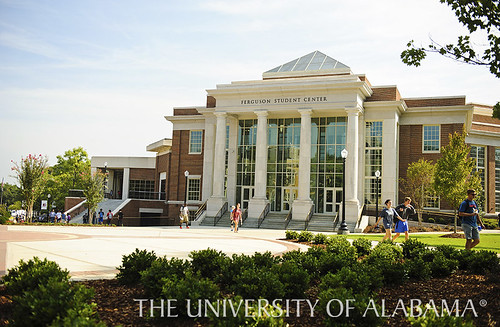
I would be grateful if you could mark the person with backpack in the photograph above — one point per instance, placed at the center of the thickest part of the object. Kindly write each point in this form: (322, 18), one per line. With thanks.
(405, 210)
(109, 216)
(184, 216)
(388, 214)
(470, 215)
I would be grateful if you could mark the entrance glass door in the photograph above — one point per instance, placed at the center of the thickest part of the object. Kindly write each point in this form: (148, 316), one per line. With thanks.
(333, 198)
(246, 194)
(289, 195)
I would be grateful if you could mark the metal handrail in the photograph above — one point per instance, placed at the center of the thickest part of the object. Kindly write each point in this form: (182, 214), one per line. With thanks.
(221, 213)
(200, 211)
(288, 218)
(244, 216)
(336, 220)
(309, 216)
(263, 214)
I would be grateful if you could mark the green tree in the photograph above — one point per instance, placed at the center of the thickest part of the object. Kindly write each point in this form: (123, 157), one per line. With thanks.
(418, 183)
(454, 173)
(93, 190)
(11, 194)
(480, 17)
(67, 174)
(31, 176)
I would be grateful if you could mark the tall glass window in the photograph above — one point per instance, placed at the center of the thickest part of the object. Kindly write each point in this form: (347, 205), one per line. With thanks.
(431, 138)
(194, 189)
(328, 139)
(373, 159)
(245, 170)
(195, 141)
(283, 140)
(497, 179)
(478, 154)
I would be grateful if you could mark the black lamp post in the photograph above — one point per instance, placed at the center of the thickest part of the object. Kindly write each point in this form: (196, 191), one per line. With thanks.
(343, 226)
(186, 173)
(377, 175)
(105, 178)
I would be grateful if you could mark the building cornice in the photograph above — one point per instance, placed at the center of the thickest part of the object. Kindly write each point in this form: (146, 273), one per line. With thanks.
(400, 106)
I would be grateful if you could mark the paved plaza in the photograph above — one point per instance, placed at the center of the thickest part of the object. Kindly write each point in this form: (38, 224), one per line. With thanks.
(95, 252)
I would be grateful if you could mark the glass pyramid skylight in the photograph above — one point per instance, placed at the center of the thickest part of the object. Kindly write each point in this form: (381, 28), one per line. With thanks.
(312, 61)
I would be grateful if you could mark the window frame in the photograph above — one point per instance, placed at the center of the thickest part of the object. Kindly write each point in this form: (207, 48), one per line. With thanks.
(423, 138)
(189, 191)
(191, 141)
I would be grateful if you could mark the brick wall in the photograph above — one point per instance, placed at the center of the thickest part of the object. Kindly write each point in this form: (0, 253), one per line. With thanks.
(131, 215)
(70, 202)
(180, 161)
(435, 102)
(186, 112)
(490, 179)
(384, 94)
(143, 174)
(410, 147)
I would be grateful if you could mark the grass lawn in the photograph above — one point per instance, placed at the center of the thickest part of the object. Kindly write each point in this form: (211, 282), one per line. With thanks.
(489, 242)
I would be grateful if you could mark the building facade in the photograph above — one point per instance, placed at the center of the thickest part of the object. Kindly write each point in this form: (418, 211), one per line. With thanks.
(278, 142)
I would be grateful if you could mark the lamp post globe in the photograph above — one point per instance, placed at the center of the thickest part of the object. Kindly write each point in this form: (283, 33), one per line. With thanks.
(343, 226)
(186, 173)
(377, 175)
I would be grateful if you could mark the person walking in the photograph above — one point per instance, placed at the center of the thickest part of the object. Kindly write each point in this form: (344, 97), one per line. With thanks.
(236, 217)
(232, 218)
(101, 217)
(184, 216)
(388, 214)
(52, 216)
(405, 210)
(109, 216)
(120, 218)
(470, 215)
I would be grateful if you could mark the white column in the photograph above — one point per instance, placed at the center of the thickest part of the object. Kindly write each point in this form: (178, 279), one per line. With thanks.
(261, 156)
(305, 155)
(208, 157)
(219, 155)
(232, 160)
(258, 202)
(217, 199)
(352, 167)
(303, 203)
(126, 183)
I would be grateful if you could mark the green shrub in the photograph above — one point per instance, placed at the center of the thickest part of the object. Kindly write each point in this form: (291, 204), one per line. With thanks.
(258, 283)
(305, 236)
(363, 246)
(329, 300)
(476, 262)
(291, 234)
(338, 240)
(387, 258)
(208, 262)
(443, 267)
(339, 253)
(191, 286)
(431, 220)
(308, 261)
(418, 269)
(266, 316)
(448, 251)
(320, 238)
(3, 220)
(430, 319)
(133, 264)
(232, 268)
(294, 279)
(412, 248)
(264, 260)
(51, 301)
(359, 278)
(161, 267)
(30, 275)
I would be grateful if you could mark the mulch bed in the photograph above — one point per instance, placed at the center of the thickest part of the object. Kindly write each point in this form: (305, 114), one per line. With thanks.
(116, 305)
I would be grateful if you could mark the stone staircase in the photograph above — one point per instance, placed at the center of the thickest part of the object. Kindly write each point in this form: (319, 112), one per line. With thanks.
(105, 205)
(274, 220)
(225, 221)
(321, 223)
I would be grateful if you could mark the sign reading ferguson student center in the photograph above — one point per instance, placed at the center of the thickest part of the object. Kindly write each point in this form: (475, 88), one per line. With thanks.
(285, 100)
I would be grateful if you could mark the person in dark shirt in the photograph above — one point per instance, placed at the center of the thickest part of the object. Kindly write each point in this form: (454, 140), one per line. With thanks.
(405, 210)
(470, 215)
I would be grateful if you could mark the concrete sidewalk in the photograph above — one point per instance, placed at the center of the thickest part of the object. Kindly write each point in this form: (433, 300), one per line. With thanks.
(95, 252)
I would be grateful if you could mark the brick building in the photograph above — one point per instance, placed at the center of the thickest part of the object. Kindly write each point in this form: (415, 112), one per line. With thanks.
(277, 144)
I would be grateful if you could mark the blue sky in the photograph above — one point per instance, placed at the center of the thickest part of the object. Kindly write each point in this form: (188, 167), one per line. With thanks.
(103, 74)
